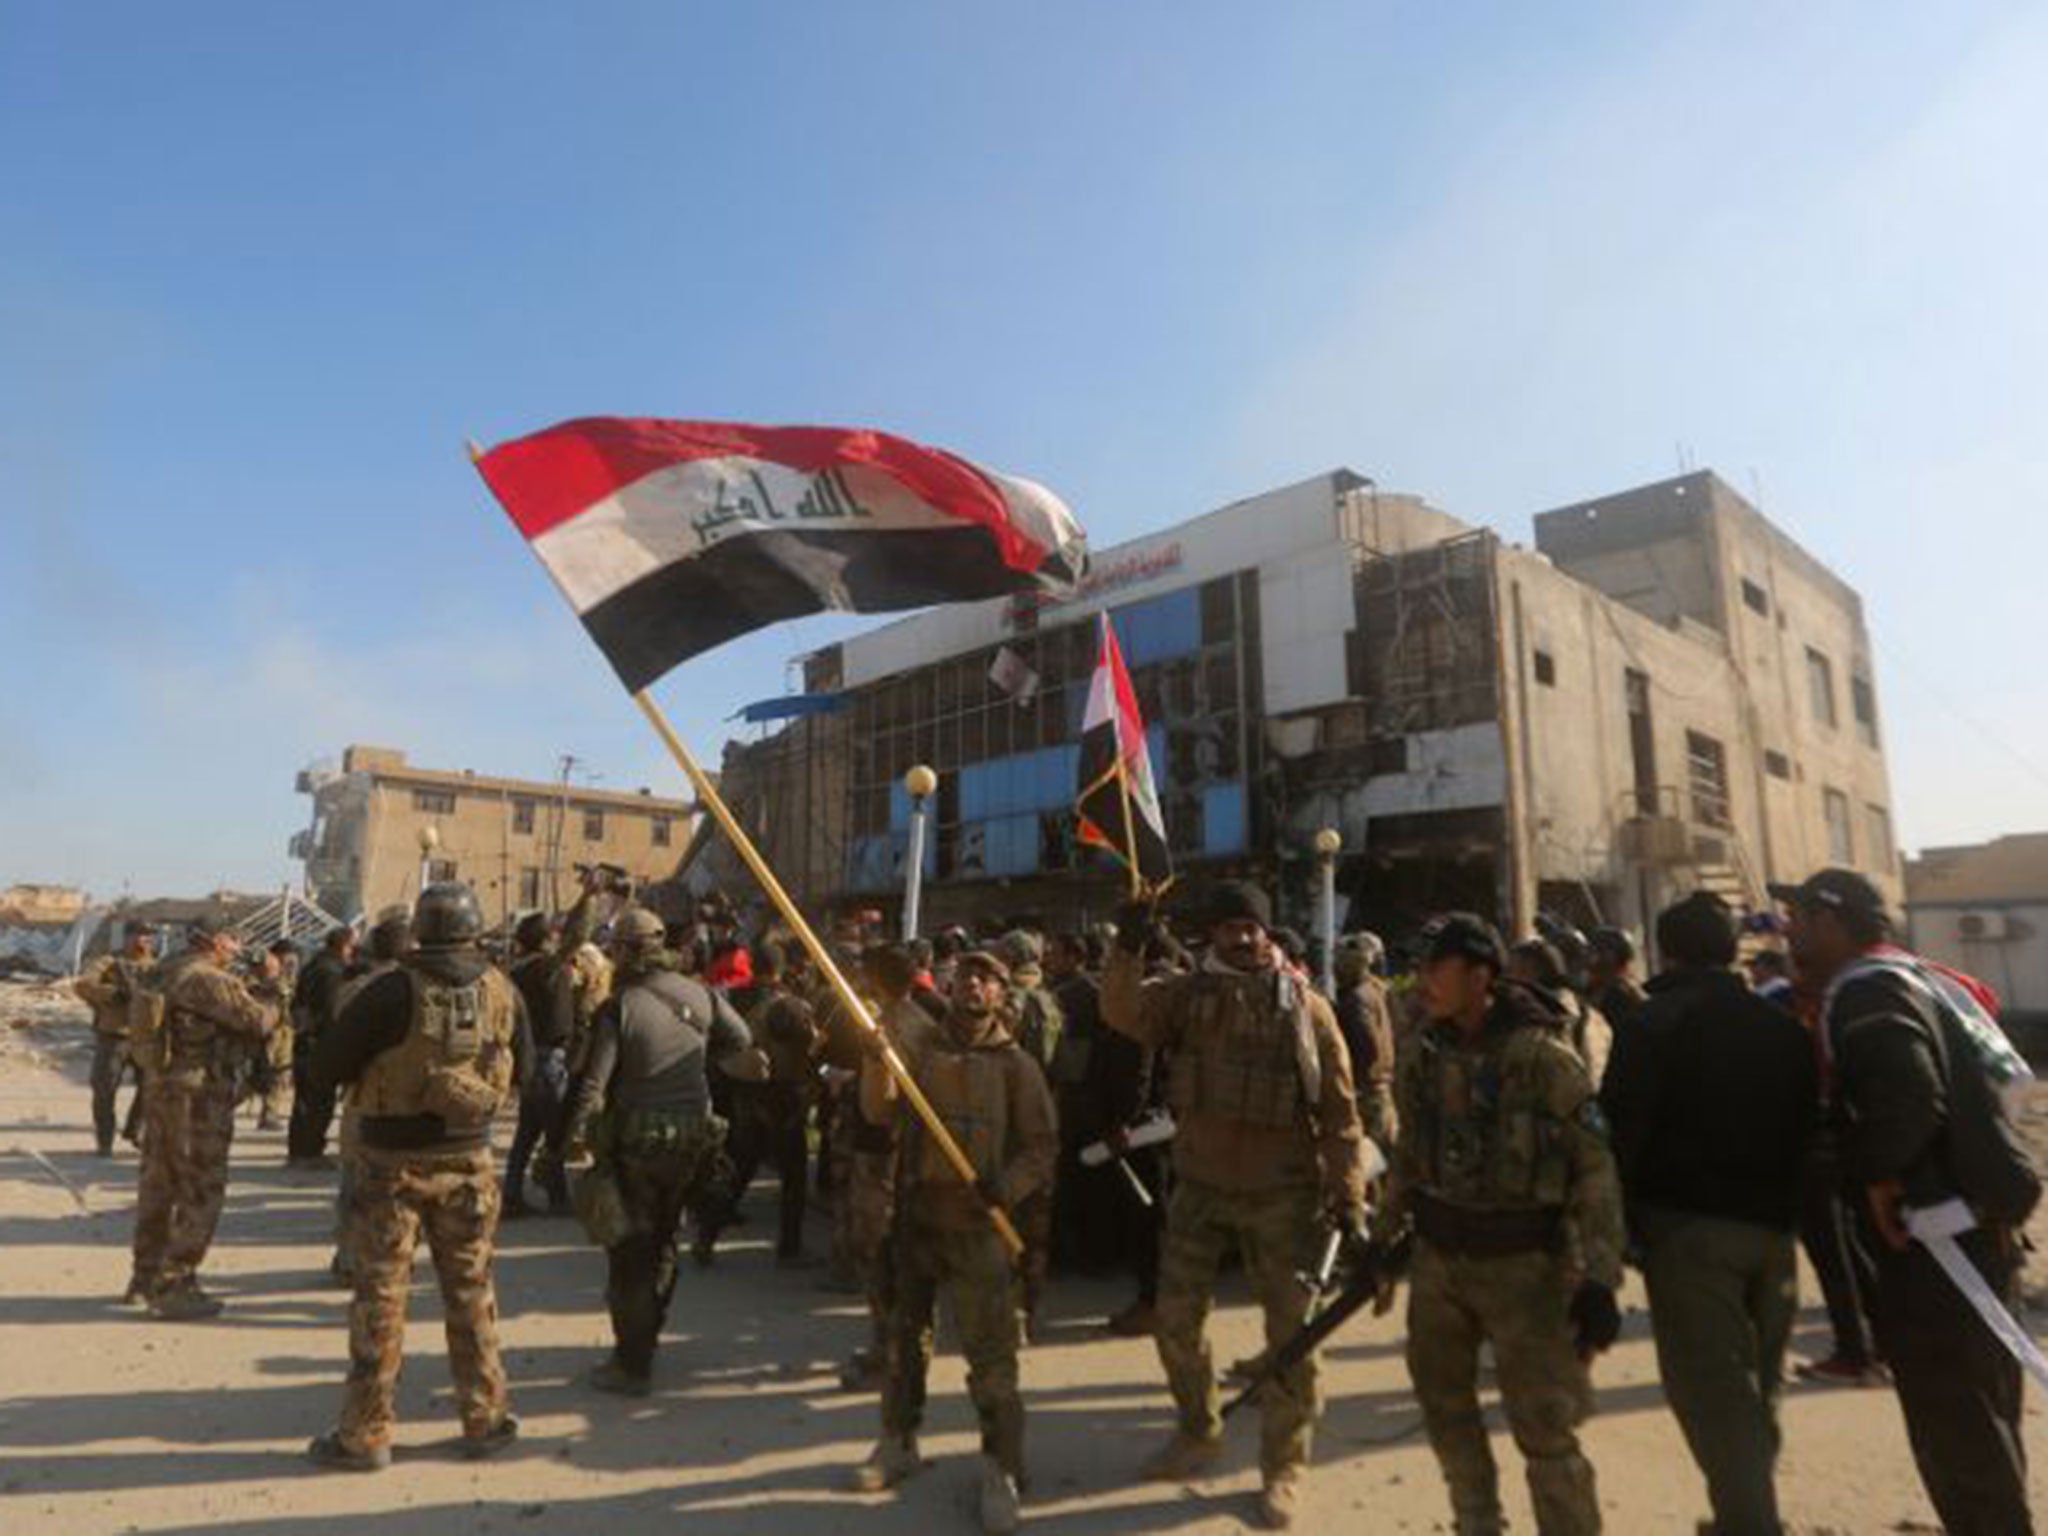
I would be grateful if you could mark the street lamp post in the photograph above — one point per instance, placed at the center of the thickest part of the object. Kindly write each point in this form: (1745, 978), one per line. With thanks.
(920, 782)
(1328, 841)
(430, 839)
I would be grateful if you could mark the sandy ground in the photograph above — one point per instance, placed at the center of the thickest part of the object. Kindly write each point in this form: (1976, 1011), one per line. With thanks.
(112, 1423)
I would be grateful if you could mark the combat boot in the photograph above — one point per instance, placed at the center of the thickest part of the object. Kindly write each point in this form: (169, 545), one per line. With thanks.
(492, 1441)
(862, 1372)
(1183, 1457)
(329, 1451)
(893, 1460)
(998, 1498)
(1137, 1321)
(1277, 1500)
(186, 1304)
(615, 1378)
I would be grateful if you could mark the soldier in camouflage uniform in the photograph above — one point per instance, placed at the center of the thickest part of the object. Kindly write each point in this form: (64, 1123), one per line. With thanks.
(1366, 1021)
(870, 1192)
(1269, 1149)
(210, 1017)
(1504, 1173)
(994, 1100)
(388, 942)
(644, 1108)
(110, 987)
(433, 1047)
(1039, 1025)
(277, 974)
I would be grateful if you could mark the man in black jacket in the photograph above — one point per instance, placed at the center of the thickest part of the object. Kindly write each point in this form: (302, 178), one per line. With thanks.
(1891, 1098)
(543, 968)
(314, 1000)
(1712, 1096)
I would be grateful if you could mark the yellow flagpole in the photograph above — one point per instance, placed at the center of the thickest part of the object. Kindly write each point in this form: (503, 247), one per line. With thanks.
(708, 796)
(1123, 784)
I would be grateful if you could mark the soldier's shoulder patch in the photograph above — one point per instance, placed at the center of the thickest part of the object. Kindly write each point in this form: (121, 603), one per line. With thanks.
(1590, 1117)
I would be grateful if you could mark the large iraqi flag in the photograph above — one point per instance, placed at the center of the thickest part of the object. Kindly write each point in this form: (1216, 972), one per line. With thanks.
(671, 537)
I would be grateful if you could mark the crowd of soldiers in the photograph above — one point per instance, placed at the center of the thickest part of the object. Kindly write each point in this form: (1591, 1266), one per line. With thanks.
(1500, 1129)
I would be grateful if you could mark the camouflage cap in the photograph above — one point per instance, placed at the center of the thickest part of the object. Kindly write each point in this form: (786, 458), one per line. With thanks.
(639, 926)
(1020, 946)
(984, 960)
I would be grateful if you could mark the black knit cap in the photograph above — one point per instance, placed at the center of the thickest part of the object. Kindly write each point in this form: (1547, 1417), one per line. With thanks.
(1232, 901)
(1463, 936)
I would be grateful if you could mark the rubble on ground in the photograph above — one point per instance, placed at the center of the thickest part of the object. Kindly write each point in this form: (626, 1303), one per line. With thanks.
(43, 1023)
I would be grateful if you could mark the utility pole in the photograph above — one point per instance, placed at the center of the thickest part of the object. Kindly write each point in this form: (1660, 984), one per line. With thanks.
(559, 830)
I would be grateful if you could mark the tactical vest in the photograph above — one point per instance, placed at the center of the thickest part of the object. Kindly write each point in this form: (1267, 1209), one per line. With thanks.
(188, 1042)
(144, 1021)
(456, 1058)
(1247, 1052)
(1484, 1127)
(970, 1090)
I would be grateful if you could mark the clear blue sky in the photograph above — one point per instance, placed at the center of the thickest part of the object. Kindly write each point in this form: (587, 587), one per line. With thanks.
(263, 268)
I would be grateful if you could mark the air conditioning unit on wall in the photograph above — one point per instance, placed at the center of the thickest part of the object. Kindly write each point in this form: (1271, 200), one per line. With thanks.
(1983, 928)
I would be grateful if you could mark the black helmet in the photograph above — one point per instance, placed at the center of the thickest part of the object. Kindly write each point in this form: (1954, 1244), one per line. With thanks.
(447, 916)
(1613, 945)
(1566, 939)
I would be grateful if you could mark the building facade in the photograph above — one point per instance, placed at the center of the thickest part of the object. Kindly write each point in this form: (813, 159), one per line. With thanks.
(1591, 727)
(517, 842)
(1984, 909)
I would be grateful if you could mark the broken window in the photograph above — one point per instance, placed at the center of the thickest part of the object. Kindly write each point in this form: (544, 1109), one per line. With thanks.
(1706, 772)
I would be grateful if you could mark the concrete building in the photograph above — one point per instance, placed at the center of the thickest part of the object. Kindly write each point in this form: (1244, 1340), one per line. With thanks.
(30, 903)
(516, 841)
(1984, 909)
(1665, 693)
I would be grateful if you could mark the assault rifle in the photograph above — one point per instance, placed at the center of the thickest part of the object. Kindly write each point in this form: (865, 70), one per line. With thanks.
(1367, 1266)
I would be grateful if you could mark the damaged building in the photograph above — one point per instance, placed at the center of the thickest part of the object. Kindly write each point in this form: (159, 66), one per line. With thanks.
(381, 826)
(1666, 693)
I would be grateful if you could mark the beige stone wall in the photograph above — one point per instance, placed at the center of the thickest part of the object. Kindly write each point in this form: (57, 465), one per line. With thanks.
(516, 842)
(480, 834)
(1809, 609)
(41, 903)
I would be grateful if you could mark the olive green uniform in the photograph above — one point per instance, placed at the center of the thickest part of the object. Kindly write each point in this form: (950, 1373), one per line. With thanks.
(109, 987)
(994, 1101)
(210, 1018)
(1504, 1171)
(1040, 1025)
(1269, 1141)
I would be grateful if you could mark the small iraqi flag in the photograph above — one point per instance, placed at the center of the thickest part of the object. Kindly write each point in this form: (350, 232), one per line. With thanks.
(671, 537)
(1116, 805)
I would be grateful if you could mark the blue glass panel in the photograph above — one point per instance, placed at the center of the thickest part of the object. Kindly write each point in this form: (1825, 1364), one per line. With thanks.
(1013, 845)
(1160, 627)
(1054, 788)
(974, 792)
(1223, 818)
(899, 807)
